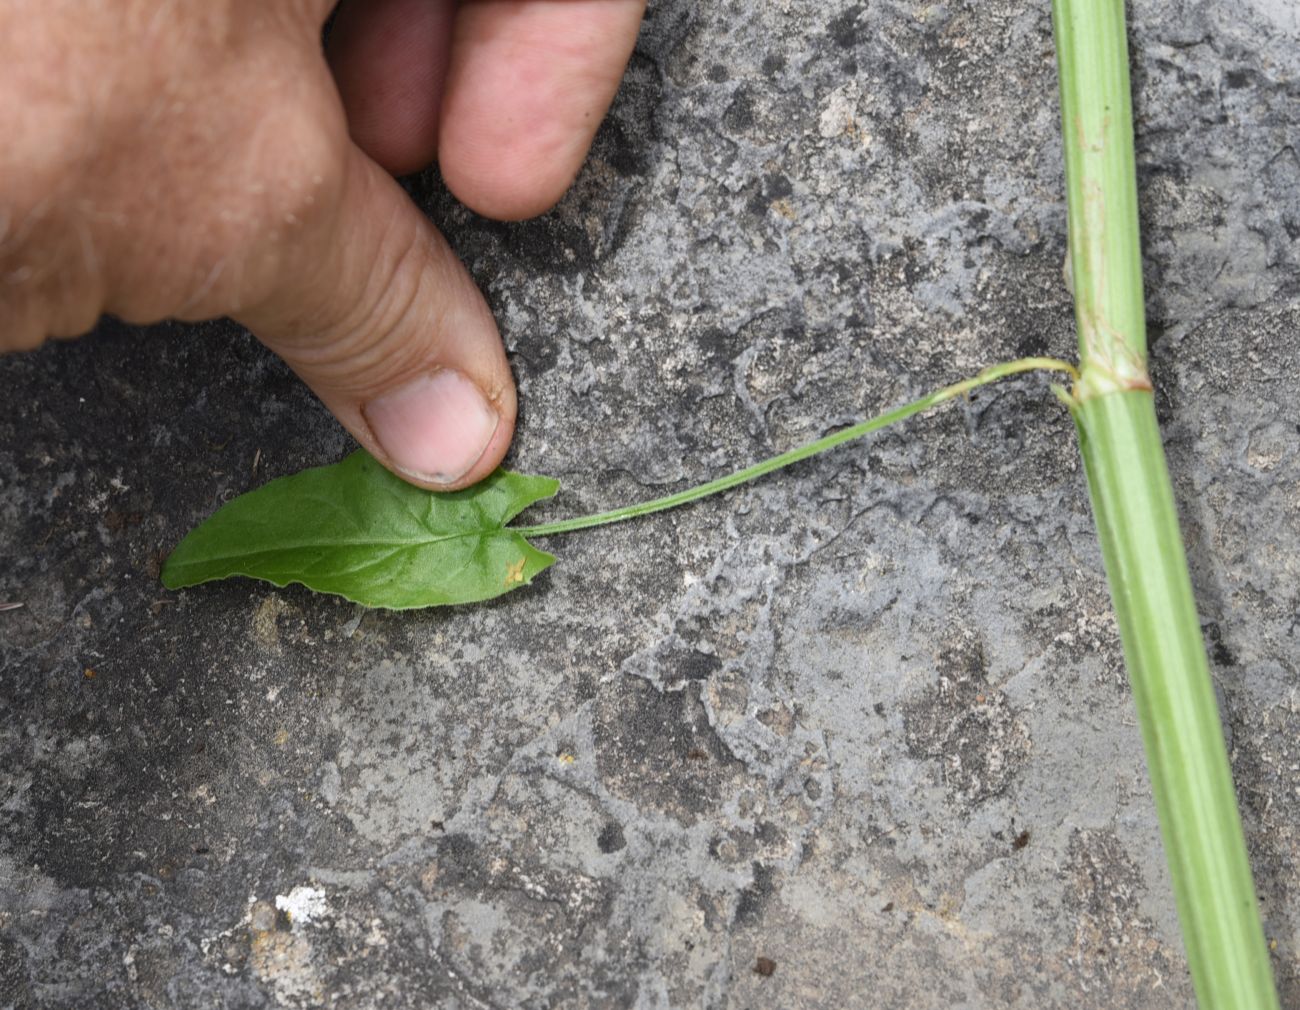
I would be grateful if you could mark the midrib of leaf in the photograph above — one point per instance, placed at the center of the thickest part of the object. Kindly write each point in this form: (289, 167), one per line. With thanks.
(391, 544)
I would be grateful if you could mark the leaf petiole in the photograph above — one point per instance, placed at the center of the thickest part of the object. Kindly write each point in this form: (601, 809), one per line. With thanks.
(988, 375)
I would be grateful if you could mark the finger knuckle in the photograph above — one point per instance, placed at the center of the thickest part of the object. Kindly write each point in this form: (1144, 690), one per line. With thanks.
(383, 330)
(302, 167)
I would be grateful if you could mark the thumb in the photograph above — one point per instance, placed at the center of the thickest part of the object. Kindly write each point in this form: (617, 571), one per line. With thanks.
(376, 314)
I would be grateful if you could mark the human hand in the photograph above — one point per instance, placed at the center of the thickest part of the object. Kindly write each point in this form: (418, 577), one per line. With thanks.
(199, 158)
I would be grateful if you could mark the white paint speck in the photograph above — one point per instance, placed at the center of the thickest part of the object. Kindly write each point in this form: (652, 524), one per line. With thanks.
(302, 904)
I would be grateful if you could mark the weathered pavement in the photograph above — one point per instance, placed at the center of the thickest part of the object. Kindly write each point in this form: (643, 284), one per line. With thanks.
(865, 720)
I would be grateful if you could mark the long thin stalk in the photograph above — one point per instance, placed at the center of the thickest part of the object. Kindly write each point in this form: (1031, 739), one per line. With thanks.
(1138, 525)
(990, 374)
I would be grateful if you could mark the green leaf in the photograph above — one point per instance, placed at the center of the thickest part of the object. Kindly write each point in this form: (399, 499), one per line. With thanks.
(356, 530)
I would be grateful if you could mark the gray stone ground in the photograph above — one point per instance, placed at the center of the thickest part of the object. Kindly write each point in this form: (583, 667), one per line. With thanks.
(866, 720)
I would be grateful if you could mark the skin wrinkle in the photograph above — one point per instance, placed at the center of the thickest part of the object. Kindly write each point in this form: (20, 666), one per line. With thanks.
(368, 356)
(87, 238)
(34, 217)
(35, 269)
(96, 99)
(161, 109)
(204, 289)
(153, 31)
(65, 290)
(235, 293)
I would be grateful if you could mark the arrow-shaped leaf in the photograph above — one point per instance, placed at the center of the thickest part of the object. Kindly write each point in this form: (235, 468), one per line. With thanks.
(356, 530)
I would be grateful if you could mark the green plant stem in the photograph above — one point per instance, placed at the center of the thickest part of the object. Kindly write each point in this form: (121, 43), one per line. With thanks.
(1138, 525)
(991, 374)
(1186, 758)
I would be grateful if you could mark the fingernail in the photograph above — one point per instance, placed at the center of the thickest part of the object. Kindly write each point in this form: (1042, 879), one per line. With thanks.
(435, 427)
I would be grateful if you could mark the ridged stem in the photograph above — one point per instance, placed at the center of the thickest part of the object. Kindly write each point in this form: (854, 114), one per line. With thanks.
(1137, 522)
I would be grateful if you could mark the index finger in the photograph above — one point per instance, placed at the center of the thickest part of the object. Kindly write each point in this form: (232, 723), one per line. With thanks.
(528, 84)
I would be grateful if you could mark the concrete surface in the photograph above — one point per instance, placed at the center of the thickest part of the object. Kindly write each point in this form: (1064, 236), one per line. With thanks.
(857, 736)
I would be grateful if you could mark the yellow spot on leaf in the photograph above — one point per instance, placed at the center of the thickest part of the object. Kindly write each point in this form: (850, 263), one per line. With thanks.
(515, 572)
